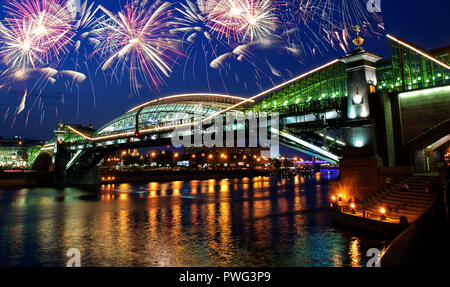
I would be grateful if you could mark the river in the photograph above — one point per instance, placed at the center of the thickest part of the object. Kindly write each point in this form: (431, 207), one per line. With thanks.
(229, 222)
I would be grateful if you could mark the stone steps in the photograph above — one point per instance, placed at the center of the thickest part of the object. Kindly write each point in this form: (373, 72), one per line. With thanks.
(408, 199)
(410, 204)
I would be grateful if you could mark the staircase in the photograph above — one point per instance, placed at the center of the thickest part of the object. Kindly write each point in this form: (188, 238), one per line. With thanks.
(410, 204)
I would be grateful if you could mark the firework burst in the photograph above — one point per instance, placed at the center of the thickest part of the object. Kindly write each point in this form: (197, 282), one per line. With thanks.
(137, 39)
(19, 49)
(47, 24)
(224, 17)
(240, 20)
(258, 19)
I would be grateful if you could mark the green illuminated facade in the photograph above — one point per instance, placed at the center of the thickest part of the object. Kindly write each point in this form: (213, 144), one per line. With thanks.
(322, 90)
(409, 70)
(327, 88)
(17, 153)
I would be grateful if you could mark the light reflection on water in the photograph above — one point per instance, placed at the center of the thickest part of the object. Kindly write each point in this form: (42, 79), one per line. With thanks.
(228, 222)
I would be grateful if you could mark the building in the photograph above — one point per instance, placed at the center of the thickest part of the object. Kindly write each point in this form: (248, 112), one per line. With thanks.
(16, 153)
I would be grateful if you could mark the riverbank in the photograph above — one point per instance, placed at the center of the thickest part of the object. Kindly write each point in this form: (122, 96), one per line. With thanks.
(139, 176)
(18, 179)
(25, 178)
(424, 243)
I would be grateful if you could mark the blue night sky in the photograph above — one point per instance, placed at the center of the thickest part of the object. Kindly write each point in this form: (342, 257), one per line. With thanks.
(418, 22)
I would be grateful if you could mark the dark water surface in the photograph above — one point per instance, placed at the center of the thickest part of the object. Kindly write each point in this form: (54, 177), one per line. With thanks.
(230, 222)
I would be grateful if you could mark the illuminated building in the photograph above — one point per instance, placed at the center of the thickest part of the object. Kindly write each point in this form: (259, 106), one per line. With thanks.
(15, 153)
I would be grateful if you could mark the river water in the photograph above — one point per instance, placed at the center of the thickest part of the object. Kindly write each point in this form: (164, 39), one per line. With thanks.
(229, 222)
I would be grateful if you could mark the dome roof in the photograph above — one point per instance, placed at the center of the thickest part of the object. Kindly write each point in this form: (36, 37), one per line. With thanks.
(172, 111)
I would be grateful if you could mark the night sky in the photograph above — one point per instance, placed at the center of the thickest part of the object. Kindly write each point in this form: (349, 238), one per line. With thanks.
(425, 24)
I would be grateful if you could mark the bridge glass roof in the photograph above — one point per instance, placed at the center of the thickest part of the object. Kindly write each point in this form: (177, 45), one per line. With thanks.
(167, 112)
(413, 68)
(324, 88)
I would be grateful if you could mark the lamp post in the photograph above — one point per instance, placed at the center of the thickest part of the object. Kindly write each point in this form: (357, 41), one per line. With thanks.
(383, 213)
(121, 156)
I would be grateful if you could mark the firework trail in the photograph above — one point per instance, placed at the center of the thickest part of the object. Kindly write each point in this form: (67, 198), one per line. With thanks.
(43, 27)
(240, 20)
(86, 21)
(137, 40)
(329, 23)
(259, 19)
(18, 49)
(35, 38)
(226, 32)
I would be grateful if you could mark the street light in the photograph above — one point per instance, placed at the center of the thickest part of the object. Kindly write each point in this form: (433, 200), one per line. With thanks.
(121, 156)
(383, 213)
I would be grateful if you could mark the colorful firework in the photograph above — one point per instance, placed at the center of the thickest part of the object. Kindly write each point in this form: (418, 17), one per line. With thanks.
(35, 36)
(47, 24)
(86, 21)
(259, 19)
(137, 39)
(240, 20)
(223, 16)
(192, 22)
(19, 49)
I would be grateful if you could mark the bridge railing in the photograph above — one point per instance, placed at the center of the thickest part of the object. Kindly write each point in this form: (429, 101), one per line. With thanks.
(328, 82)
(313, 106)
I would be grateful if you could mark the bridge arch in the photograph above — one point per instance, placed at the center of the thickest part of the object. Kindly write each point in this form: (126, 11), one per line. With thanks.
(43, 162)
(168, 113)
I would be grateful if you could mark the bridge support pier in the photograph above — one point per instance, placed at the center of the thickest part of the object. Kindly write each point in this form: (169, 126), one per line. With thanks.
(83, 177)
(62, 176)
(359, 166)
(80, 176)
